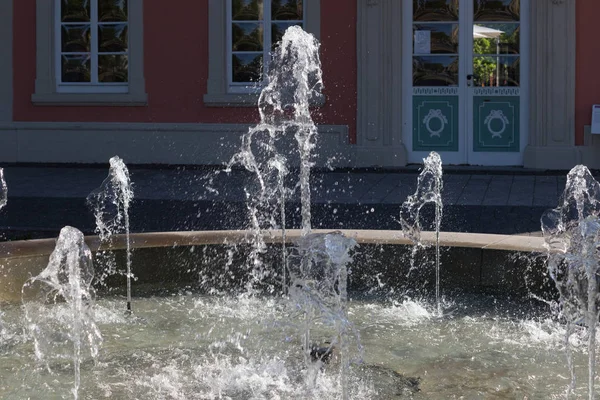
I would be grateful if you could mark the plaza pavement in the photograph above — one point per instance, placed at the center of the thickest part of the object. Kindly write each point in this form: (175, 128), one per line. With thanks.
(42, 199)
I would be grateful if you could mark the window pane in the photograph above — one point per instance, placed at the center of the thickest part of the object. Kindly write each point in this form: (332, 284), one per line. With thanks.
(112, 10)
(75, 38)
(497, 10)
(75, 68)
(247, 36)
(112, 68)
(282, 10)
(112, 38)
(277, 31)
(496, 38)
(246, 10)
(75, 10)
(435, 71)
(435, 10)
(443, 38)
(246, 67)
(496, 71)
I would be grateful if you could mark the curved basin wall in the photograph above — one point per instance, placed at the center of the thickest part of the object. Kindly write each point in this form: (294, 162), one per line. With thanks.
(205, 260)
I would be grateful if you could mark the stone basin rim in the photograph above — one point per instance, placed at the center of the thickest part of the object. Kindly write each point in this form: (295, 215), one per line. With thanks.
(484, 241)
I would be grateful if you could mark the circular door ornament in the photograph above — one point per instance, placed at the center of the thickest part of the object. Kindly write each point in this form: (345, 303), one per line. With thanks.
(499, 115)
(435, 114)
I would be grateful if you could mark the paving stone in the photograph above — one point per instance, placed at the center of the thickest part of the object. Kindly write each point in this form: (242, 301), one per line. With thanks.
(49, 198)
(455, 178)
(380, 190)
(473, 192)
(502, 178)
(399, 194)
(523, 178)
(451, 193)
(482, 178)
(545, 179)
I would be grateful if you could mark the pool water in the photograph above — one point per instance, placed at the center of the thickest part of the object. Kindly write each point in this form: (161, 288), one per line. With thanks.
(190, 346)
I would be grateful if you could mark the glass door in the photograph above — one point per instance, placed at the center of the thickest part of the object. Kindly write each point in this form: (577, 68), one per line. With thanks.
(465, 61)
(494, 79)
(432, 83)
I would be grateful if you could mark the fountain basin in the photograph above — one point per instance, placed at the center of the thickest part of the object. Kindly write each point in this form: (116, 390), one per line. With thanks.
(191, 344)
(469, 261)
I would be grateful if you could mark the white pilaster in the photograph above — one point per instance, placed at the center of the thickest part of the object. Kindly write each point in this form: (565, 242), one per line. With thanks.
(379, 114)
(552, 86)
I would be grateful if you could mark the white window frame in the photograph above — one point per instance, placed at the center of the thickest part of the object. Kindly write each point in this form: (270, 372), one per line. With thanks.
(220, 91)
(49, 90)
(248, 87)
(85, 87)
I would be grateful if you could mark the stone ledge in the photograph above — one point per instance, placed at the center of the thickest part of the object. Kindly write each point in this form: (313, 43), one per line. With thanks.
(473, 260)
(43, 247)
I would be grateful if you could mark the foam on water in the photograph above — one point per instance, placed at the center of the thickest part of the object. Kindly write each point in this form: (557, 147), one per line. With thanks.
(198, 347)
(407, 313)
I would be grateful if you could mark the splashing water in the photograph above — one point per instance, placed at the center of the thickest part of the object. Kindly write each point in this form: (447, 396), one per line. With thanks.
(3, 201)
(318, 293)
(571, 232)
(429, 190)
(110, 204)
(294, 81)
(3, 190)
(58, 305)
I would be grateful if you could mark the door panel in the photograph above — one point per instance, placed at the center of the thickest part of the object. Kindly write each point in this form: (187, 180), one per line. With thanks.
(433, 99)
(435, 123)
(494, 113)
(496, 123)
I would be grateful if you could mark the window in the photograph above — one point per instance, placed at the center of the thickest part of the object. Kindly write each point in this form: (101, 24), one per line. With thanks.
(92, 46)
(89, 52)
(254, 28)
(242, 34)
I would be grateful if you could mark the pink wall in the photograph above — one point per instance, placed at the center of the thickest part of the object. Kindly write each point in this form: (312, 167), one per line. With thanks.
(176, 69)
(588, 65)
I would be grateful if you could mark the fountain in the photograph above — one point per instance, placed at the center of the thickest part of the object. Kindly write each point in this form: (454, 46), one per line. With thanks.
(110, 204)
(3, 201)
(294, 80)
(572, 235)
(326, 335)
(58, 306)
(429, 190)
(318, 293)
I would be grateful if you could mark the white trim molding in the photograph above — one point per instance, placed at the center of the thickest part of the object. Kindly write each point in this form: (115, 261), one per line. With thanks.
(46, 92)
(552, 86)
(6, 61)
(379, 55)
(149, 143)
(217, 90)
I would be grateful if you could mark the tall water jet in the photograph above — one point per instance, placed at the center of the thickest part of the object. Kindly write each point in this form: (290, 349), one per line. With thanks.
(3, 201)
(58, 305)
(429, 190)
(110, 203)
(294, 81)
(318, 291)
(571, 233)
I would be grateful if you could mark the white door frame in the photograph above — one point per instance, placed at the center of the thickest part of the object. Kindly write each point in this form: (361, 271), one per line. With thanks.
(465, 153)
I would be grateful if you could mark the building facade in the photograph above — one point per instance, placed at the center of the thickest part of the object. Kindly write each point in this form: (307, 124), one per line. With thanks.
(482, 82)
